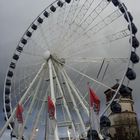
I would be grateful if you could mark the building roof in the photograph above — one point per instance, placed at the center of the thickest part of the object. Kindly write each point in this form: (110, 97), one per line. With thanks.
(114, 87)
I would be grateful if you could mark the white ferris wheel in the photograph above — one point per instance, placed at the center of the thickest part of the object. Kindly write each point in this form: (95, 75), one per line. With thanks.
(70, 43)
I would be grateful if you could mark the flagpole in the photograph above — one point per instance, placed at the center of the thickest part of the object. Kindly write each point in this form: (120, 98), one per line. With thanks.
(94, 111)
(90, 122)
(46, 121)
(89, 113)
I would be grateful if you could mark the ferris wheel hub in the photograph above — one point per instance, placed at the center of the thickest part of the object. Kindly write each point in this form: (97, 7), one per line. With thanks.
(47, 55)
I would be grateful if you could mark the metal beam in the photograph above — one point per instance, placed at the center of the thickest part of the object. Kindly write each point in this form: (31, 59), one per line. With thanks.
(75, 105)
(64, 100)
(55, 136)
(76, 93)
(30, 108)
(21, 100)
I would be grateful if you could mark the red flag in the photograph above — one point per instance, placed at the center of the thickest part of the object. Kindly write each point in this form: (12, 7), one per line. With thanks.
(51, 108)
(19, 112)
(94, 100)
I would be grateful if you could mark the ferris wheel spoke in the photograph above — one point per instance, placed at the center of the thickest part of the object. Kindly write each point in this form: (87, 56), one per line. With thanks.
(81, 52)
(105, 22)
(28, 98)
(55, 23)
(27, 70)
(31, 66)
(64, 100)
(85, 75)
(92, 16)
(44, 38)
(74, 103)
(61, 15)
(42, 47)
(95, 60)
(21, 100)
(50, 33)
(31, 106)
(110, 38)
(37, 118)
(89, 19)
(27, 74)
(59, 25)
(79, 97)
(78, 81)
(18, 93)
(79, 77)
(69, 17)
(92, 31)
(42, 100)
(38, 101)
(32, 54)
(70, 33)
(119, 35)
(102, 41)
(34, 49)
(36, 123)
(84, 7)
(69, 41)
(27, 77)
(71, 12)
(74, 31)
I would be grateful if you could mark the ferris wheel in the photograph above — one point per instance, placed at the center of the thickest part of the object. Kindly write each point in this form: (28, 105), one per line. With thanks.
(70, 43)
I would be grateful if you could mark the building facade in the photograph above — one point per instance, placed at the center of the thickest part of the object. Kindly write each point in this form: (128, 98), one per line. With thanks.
(124, 124)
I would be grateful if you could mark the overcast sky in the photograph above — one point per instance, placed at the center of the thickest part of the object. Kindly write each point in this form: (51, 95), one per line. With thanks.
(15, 17)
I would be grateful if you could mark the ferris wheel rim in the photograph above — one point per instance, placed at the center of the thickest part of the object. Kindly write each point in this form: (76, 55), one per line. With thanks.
(131, 35)
(19, 52)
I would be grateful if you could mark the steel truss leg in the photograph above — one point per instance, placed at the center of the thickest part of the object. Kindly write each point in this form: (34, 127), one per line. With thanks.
(21, 100)
(30, 107)
(76, 93)
(64, 100)
(53, 97)
(75, 105)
